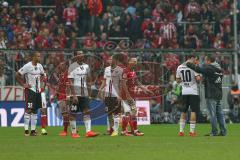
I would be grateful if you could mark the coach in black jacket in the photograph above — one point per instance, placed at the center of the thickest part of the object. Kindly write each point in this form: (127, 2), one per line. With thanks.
(213, 93)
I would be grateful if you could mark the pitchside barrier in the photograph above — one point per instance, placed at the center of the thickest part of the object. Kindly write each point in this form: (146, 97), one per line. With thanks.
(155, 70)
(12, 108)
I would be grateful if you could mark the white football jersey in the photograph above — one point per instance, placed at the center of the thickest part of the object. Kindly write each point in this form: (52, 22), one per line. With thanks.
(33, 75)
(113, 79)
(79, 74)
(188, 77)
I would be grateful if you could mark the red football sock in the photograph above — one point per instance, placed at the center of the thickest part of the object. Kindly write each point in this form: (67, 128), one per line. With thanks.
(133, 123)
(43, 121)
(125, 121)
(111, 130)
(65, 123)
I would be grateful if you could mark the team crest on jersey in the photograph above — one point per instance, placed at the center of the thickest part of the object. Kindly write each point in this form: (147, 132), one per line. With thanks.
(218, 80)
(81, 67)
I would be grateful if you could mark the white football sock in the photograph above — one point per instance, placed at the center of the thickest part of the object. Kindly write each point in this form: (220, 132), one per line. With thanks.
(87, 122)
(182, 125)
(108, 124)
(73, 125)
(116, 120)
(33, 122)
(26, 121)
(192, 126)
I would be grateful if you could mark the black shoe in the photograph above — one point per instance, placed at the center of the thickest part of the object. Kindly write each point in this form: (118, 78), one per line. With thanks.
(220, 134)
(210, 135)
(33, 133)
(26, 133)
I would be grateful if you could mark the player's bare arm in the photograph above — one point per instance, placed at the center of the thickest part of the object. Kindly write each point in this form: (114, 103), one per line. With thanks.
(89, 83)
(75, 99)
(101, 89)
(20, 80)
(198, 78)
(145, 90)
(178, 80)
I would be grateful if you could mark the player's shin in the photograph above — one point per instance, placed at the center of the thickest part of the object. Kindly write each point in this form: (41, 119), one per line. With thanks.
(43, 121)
(133, 123)
(192, 126)
(182, 122)
(125, 121)
(33, 122)
(26, 121)
(192, 122)
(110, 122)
(73, 123)
(65, 122)
(116, 120)
(182, 125)
(87, 122)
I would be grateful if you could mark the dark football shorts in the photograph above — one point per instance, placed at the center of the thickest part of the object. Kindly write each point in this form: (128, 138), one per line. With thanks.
(33, 100)
(192, 102)
(83, 104)
(112, 105)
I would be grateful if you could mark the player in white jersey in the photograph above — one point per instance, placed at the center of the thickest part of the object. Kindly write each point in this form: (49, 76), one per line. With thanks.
(79, 75)
(32, 71)
(111, 85)
(188, 79)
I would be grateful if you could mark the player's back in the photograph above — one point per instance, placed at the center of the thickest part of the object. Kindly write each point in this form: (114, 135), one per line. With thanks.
(188, 78)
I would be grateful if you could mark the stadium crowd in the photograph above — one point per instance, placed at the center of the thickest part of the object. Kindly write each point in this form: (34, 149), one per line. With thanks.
(148, 23)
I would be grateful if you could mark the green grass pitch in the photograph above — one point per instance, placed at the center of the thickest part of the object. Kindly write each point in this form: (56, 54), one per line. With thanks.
(159, 143)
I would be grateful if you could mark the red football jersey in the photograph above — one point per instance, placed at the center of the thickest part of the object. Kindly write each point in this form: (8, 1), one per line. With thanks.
(63, 82)
(131, 79)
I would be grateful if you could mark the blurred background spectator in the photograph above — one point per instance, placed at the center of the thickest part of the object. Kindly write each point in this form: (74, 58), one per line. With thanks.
(163, 24)
(155, 111)
(3, 77)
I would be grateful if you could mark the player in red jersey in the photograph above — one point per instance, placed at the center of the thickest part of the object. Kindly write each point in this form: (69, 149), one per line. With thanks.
(43, 110)
(63, 100)
(130, 81)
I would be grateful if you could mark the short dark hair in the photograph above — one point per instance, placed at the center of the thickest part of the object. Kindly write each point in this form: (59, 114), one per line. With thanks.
(120, 57)
(211, 58)
(32, 54)
(191, 56)
(77, 52)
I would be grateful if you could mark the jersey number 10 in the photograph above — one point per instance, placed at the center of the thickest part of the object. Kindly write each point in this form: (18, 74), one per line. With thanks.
(186, 75)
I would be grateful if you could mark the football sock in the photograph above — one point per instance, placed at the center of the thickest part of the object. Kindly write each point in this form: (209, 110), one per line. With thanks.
(182, 125)
(26, 121)
(73, 125)
(116, 122)
(87, 122)
(65, 122)
(108, 124)
(125, 121)
(43, 121)
(133, 123)
(33, 122)
(192, 126)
